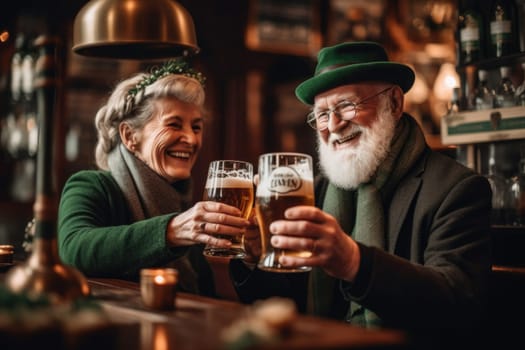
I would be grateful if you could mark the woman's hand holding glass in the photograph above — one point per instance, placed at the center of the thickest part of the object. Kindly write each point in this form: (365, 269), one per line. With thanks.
(230, 182)
(203, 222)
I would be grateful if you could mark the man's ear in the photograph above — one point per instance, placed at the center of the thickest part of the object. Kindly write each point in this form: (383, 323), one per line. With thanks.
(127, 135)
(398, 99)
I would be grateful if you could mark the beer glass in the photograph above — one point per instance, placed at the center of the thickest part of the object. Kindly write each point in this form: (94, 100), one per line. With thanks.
(285, 180)
(230, 182)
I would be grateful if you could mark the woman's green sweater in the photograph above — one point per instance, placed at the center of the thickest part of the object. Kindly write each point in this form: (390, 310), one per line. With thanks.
(97, 235)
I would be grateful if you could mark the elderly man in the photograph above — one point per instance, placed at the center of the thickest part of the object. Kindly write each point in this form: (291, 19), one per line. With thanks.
(400, 233)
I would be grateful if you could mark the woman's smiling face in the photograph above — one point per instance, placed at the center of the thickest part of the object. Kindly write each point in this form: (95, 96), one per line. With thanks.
(170, 142)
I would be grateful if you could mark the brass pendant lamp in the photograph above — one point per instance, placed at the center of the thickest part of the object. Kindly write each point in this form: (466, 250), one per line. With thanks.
(134, 29)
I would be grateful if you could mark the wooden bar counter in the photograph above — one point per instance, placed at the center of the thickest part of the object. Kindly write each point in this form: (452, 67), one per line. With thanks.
(197, 323)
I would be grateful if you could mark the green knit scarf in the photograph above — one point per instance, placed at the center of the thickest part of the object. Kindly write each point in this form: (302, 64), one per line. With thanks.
(149, 195)
(368, 227)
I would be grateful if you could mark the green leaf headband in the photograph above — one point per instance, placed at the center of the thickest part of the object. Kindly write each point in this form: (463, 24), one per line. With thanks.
(170, 67)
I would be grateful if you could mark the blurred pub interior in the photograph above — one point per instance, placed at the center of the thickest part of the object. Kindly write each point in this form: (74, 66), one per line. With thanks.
(253, 54)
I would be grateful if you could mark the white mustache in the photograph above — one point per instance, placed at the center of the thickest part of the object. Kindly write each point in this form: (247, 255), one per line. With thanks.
(347, 135)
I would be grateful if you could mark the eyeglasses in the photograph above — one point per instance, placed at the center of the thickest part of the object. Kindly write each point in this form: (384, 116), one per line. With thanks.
(345, 110)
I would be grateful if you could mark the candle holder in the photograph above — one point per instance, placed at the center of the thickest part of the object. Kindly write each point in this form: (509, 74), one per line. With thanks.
(158, 288)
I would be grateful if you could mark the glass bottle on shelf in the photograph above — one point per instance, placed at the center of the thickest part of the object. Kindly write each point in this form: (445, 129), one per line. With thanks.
(500, 194)
(517, 189)
(454, 104)
(19, 136)
(470, 29)
(484, 96)
(503, 28)
(16, 68)
(520, 5)
(29, 99)
(520, 90)
(505, 90)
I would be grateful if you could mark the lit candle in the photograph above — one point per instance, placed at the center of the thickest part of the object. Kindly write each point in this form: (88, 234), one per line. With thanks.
(158, 288)
(6, 254)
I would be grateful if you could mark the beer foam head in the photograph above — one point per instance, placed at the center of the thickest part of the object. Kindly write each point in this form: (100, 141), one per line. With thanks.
(228, 182)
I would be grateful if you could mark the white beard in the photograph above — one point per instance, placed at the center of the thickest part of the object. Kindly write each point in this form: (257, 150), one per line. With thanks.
(349, 167)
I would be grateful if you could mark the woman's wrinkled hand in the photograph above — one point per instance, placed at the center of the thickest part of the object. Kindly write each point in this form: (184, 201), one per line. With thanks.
(201, 222)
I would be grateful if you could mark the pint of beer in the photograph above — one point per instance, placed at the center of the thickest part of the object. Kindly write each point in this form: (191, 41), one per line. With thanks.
(230, 182)
(285, 180)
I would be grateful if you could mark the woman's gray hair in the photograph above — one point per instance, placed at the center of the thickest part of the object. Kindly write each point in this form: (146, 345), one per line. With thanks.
(138, 109)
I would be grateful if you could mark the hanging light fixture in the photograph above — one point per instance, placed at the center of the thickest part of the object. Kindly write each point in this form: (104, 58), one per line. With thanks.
(446, 80)
(134, 29)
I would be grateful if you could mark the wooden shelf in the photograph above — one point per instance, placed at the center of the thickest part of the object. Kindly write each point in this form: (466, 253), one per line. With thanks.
(489, 125)
(496, 62)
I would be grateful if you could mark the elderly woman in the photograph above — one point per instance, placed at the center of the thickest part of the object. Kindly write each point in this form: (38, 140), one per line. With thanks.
(135, 211)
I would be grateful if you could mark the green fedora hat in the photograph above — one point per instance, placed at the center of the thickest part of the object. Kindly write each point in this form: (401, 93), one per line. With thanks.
(353, 62)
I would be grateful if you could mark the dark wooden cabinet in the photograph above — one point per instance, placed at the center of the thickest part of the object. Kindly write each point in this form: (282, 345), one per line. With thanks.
(507, 285)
